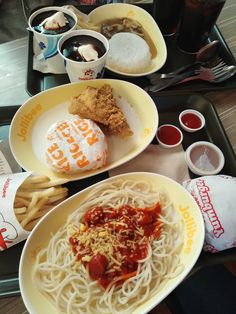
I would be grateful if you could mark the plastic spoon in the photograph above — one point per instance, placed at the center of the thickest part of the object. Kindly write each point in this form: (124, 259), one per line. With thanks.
(205, 55)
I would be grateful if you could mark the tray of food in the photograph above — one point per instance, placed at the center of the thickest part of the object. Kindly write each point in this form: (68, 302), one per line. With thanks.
(169, 107)
(38, 81)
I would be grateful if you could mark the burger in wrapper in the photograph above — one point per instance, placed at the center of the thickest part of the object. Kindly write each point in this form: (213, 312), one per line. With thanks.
(76, 145)
(216, 197)
(24, 199)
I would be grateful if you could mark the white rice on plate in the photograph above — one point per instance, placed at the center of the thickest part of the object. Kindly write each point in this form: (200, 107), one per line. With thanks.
(128, 53)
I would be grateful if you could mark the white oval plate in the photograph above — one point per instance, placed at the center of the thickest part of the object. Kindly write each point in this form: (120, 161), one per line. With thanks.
(157, 42)
(31, 122)
(183, 203)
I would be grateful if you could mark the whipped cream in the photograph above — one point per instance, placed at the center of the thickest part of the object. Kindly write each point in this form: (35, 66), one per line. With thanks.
(88, 53)
(55, 21)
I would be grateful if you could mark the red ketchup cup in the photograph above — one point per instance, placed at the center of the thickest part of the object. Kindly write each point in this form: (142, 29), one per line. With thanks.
(169, 136)
(191, 120)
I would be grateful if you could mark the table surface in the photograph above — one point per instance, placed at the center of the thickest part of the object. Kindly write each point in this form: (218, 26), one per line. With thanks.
(13, 61)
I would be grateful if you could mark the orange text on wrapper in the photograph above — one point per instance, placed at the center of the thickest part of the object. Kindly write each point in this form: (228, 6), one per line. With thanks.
(190, 228)
(57, 154)
(26, 120)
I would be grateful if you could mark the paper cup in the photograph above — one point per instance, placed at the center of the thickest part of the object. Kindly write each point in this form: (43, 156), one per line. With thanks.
(46, 47)
(79, 70)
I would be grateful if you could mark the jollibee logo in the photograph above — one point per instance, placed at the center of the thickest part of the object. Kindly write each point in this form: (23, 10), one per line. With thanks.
(26, 120)
(8, 233)
(191, 228)
(88, 75)
(5, 187)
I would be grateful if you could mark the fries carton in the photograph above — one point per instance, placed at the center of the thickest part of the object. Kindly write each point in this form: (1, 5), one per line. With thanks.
(25, 198)
(216, 197)
(11, 231)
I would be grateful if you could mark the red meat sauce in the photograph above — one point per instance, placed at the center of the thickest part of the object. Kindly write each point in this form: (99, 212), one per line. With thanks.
(132, 229)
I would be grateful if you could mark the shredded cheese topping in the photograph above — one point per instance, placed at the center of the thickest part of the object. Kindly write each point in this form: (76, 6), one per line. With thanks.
(121, 236)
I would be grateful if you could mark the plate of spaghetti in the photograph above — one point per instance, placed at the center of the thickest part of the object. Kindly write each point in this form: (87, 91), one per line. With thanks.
(119, 246)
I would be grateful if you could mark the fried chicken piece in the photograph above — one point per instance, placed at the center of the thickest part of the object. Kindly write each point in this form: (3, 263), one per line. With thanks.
(100, 106)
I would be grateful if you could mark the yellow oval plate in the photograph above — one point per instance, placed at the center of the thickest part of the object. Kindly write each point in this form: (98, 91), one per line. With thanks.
(183, 203)
(31, 122)
(156, 43)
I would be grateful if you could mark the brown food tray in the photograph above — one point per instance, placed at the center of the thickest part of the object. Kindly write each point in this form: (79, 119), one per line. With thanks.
(169, 108)
(37, 81)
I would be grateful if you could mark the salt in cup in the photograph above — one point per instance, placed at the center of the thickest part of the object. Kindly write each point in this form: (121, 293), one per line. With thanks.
(204, 158)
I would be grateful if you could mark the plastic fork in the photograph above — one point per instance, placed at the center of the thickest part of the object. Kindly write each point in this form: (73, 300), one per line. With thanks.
(191, 72)
(219, 74)
(193, 66)
(215, 74)
(206, 56)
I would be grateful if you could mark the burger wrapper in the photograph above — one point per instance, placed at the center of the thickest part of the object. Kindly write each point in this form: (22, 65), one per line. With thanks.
(216, 198)
(76, 145)
(11, 231)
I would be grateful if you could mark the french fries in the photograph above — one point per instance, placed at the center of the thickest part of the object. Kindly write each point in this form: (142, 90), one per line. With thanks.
(82, 19)
(35, 197)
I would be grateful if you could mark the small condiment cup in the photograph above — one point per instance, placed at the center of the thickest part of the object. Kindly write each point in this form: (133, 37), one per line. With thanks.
(169, 136)
(81, 70)
(191, 120)
(204, 158)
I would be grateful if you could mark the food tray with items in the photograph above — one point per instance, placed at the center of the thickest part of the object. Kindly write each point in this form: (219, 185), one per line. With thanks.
(169, 108)
(37, 81)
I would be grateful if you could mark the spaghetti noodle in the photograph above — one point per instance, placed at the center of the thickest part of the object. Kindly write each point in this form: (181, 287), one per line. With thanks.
(115, 252)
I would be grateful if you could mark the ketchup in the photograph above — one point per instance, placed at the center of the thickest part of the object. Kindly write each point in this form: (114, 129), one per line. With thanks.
(191, 121)
(169, 135)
